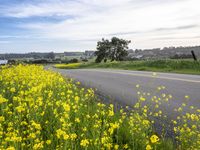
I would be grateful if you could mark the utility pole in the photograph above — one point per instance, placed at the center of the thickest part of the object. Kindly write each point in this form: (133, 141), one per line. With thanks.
(194, 56)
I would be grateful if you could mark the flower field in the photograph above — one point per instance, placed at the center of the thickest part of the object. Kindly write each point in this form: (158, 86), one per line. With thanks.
(68, 66)
(40, 109)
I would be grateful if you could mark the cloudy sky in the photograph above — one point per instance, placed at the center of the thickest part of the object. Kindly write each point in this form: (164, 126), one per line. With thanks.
(77, 25)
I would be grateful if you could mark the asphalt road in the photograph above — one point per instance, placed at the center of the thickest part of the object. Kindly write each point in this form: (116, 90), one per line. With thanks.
(120, 85)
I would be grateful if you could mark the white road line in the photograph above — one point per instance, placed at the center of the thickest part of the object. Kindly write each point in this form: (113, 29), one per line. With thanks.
(149, 76)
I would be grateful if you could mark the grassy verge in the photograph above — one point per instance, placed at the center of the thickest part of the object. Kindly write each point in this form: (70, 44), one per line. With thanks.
(68, 66)
(176, 66)
(40, 109)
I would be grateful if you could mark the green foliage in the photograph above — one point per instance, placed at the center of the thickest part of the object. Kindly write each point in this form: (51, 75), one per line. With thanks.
(178, 66)
(116, 49)
(74, 60)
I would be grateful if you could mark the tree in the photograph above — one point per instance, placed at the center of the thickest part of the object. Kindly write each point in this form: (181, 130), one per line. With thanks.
(50, 55)
(102, 52)
(116, 49)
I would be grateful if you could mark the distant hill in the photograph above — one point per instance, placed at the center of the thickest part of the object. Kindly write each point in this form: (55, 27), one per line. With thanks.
(167, 52)
(73, 53)
(33, 55)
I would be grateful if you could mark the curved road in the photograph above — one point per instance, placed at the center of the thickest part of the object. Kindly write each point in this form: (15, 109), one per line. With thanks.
(120, 85)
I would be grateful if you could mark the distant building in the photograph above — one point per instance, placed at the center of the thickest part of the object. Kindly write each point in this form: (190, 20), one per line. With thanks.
(3, 62)
(137, 57)
(89, 53)
(73, 53)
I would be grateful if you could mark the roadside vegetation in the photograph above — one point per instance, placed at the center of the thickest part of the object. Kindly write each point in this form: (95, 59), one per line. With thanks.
(68, 66)
(40, 109)
(176, 66)
(113, 54)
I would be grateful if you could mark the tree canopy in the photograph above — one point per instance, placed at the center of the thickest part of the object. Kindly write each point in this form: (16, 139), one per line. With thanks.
(115, 49)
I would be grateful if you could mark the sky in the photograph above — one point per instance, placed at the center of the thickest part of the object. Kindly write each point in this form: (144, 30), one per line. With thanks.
(77, 25)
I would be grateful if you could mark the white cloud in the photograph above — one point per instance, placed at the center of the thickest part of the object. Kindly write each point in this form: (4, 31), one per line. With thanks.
(94, 19)
(53, 8)
(4, 42)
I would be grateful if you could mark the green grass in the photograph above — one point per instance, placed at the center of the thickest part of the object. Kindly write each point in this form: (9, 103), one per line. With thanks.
(176, 66)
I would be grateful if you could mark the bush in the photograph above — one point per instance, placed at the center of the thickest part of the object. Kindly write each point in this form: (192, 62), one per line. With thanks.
(85, 60)
(74, 60)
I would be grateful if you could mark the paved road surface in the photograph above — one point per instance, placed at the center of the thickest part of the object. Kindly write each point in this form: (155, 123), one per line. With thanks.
(119, 85)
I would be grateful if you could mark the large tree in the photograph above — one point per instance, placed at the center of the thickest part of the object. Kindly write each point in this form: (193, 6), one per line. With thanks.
(115, 49)
(102, 52)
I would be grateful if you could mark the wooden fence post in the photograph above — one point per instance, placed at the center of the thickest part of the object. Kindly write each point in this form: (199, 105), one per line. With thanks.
(194, 56)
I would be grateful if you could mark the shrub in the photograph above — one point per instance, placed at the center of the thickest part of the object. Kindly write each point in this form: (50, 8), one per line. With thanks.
(74, 60)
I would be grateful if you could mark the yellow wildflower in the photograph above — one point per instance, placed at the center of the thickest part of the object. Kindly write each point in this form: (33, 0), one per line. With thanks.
(142, 98)
(10, 148)
(154, 138)
(84, 142)
(116, 147)
(125, 146)
(12, 90)
(77, 120)
(148, 147)
(48, 142)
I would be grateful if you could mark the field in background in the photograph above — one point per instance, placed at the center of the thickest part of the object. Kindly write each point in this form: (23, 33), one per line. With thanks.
(68, 66)
(176, 66)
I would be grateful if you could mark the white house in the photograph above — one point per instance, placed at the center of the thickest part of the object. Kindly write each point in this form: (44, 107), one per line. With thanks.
(3, 62)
